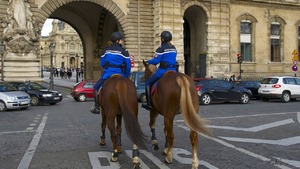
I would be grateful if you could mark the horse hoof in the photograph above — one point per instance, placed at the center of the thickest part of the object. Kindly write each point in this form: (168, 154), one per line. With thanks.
(113, 159)
(136, 163)
(136, 166)
(102, 142)
(168, 161)
(155, 147)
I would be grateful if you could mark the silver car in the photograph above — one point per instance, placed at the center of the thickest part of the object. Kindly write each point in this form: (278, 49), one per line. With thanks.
(11, 98)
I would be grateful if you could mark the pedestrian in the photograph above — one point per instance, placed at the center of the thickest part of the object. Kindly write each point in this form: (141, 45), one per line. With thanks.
(165, 56)
(114, 60)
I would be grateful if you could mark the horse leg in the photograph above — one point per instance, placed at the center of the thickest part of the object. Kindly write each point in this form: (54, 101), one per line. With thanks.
(169, 139)
(194, 142)
(153, 116)
(113, 137)
(119, 131)
(103, 127)
(135, 156)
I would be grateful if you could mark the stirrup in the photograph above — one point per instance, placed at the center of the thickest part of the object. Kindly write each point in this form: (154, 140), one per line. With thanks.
(95, 110)
(147, 106)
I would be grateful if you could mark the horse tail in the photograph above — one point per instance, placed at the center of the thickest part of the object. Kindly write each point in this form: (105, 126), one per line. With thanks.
(127, 108)
(189, 112)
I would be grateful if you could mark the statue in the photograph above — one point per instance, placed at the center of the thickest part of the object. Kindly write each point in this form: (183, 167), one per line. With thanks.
(17, 12)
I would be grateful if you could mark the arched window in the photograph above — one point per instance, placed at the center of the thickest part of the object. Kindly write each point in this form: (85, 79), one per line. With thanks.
(246, 40)
(275, 36)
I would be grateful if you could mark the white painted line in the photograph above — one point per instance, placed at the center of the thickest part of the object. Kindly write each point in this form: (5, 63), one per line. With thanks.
(253, 115)
(94, 159)
(290, 162)
(298, 117)
(33, 124)
(281, 142)
(25, 162)
(159, 164)
(185, 160)
(142, 164)
(16, 132)
(29, 128)
(35, 121)
(256, 128)
(260, 157)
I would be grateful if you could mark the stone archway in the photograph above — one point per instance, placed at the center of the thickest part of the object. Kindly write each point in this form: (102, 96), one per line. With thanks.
(195, 40)
(94, 21)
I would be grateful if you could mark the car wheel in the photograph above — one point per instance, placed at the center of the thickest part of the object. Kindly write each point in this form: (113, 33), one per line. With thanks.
(34, 101)
(244, 98)
(205, 99)
(2, 106)
(81, 97)
(285, 97)
(143, 98)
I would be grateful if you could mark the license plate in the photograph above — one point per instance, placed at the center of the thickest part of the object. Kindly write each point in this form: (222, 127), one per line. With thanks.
(24, 102)
(56, 98)
(265, 91)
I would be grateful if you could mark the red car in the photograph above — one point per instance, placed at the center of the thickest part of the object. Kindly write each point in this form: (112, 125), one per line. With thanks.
(83, 90)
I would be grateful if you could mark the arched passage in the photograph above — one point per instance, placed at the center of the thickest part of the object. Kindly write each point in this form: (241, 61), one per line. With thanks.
(94, 22)
(195, 41)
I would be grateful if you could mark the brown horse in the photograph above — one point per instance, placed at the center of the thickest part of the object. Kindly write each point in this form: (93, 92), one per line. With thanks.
(118, 99)
(175, 93)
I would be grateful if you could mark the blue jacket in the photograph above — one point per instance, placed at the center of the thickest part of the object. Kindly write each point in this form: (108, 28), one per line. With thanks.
(167, 54)
(112, 59)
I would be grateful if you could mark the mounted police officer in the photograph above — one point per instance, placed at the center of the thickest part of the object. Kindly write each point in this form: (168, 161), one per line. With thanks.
(115, 60)
(165, 56)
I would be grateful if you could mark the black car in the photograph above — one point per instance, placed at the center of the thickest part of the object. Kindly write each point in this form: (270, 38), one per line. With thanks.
(252, 85)
(38, 93)
(218, 90)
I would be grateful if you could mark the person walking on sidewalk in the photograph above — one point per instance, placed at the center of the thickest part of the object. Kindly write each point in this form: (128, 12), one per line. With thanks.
(115, 60)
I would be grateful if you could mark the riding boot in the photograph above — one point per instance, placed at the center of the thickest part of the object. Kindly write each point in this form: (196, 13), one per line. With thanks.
(148, 104)
(95, 109)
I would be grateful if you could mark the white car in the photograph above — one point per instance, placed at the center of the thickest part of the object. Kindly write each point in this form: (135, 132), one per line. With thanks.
(286, 88)
(11, 98)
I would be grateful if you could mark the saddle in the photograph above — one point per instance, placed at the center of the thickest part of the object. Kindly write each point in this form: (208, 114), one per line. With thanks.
(154, 86)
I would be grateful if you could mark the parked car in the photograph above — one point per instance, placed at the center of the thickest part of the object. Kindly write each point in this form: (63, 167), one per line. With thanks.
(139, 80)
(286, 88)
(252, 85)
(39, 94)
(83, 90)
(11, 98)
(217, 90)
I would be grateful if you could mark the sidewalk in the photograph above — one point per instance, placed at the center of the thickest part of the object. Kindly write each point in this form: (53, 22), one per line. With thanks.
(57, 81)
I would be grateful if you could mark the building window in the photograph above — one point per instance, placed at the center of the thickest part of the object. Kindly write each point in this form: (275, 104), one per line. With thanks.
(72, 48)
(246, 40)
(275, 42)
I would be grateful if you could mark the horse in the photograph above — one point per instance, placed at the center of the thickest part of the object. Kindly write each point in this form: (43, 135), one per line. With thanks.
(117, 99)
(175, 93)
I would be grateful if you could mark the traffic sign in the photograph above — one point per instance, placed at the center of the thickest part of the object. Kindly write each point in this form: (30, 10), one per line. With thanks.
(294, 68)
(295, 55)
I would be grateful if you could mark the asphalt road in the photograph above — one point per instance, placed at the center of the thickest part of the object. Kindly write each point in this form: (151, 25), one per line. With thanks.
(258, 135)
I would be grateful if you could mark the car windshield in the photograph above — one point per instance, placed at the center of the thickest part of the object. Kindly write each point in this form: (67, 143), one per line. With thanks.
(269, 81)
(5, 87)
(35, 86)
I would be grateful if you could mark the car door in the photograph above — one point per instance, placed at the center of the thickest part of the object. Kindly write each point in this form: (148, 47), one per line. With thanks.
(217, 90)
(88, 89)
(232, 90)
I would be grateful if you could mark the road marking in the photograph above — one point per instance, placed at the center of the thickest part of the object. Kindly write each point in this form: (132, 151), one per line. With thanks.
(281, 142)
(298, 117)
(183, 160)
(25, 162)
(256, 128)
(155, 160)
(16, 132)
(290, 162)
(260, 157)
(94, 159)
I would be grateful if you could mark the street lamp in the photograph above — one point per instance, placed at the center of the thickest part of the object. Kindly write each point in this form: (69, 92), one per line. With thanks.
(2, 50)
(51, 48)
(77, 68)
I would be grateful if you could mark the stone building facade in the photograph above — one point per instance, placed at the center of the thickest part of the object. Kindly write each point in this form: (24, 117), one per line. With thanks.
(68, 47)
(208, 34)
